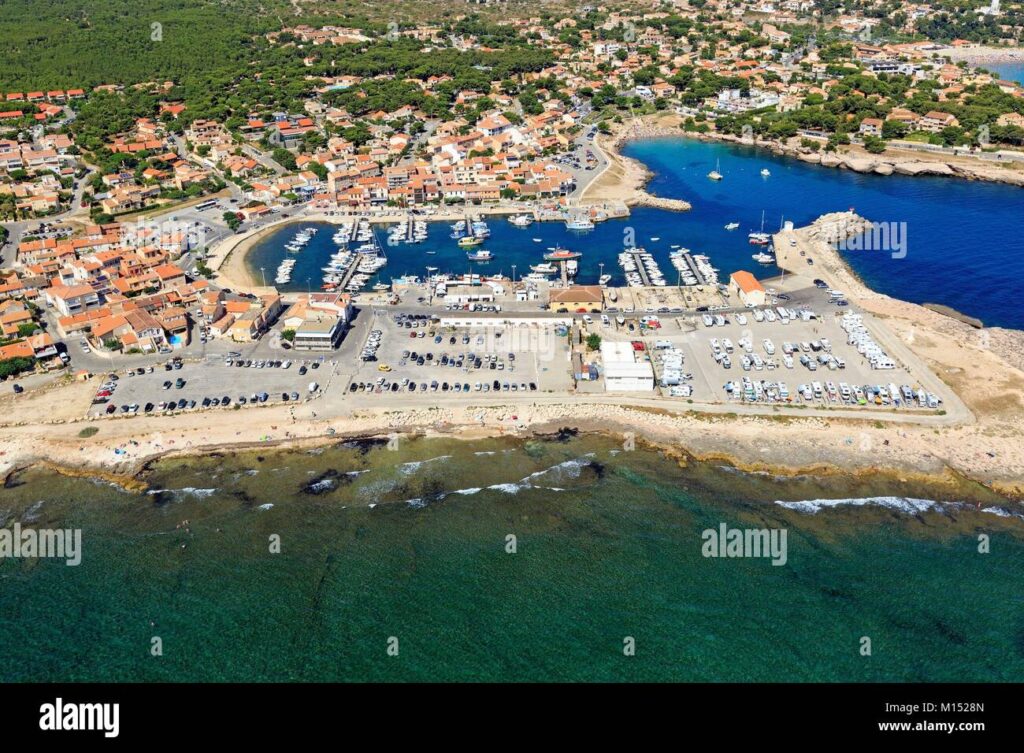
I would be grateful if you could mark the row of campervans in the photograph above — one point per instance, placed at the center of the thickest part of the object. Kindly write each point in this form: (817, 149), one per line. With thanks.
(878, 394)
(714, 320)
(782, 315)
(672, 373)
(812, 346)
(759, 391)
(827, 360)
(859, 337)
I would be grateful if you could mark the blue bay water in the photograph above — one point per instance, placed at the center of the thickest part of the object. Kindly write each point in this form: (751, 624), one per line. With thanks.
(963, 238)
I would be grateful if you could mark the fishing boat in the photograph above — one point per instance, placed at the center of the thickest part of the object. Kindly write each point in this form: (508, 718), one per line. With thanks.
(547, 268)
(561, 254)
(470, 240)
(580, 223)
(762, 258)
(732, 226)
(714, 174)
(765, 172)
(521, 220)
(482, 255)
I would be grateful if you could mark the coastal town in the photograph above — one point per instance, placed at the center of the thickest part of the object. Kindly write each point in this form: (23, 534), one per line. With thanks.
(535, 342)
(131, 211)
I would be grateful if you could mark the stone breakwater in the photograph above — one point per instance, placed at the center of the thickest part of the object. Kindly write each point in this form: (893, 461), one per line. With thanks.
(642, 198)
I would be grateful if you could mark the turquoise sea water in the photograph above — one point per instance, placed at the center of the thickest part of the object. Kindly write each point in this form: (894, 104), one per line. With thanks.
(962, 238)
(1009, 71)
(412, 545)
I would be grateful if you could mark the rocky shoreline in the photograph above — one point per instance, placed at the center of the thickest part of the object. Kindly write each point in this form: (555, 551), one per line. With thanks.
(892, 164)
(880, 164)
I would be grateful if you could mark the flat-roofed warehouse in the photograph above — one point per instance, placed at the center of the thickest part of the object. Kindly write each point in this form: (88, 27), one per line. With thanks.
(622, 371)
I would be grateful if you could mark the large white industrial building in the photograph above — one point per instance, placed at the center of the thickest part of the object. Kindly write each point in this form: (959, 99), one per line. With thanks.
(622, 371)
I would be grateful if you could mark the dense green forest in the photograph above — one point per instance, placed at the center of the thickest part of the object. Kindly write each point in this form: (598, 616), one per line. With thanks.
(81, 43)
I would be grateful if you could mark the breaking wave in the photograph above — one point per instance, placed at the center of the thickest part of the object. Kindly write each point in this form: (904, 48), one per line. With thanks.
(900, 504)
(188, 491)
(909, 505)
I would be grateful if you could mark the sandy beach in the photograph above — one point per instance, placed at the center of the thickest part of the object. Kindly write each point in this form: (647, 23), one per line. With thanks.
(982, 54)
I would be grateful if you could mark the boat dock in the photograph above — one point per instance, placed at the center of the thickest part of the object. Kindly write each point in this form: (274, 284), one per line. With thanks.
(637, 255)
(352, 269)
(694, 269)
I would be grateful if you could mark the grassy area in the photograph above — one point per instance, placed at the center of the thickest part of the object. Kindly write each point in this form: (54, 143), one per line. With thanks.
(917, 137)
(88, 431)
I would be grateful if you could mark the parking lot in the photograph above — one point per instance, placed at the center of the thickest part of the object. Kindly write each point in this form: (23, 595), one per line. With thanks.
(413, 355)
(211, 383)
(758, 356)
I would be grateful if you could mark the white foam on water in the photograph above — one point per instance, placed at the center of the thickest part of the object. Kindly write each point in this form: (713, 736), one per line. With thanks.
(569, 468)
(1002, 512)
(901, 504)
(997, 511)
(324, 485)
(509, 488)
(188, 491)
(415, 465)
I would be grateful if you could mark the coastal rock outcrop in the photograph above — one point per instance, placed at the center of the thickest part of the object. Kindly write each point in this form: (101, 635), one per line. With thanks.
(884, 164)
(923, 168)
(860, 165)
